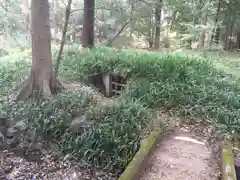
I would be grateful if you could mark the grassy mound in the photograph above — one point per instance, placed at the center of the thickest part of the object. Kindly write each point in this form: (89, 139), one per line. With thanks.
(189, 85)
(111, 136)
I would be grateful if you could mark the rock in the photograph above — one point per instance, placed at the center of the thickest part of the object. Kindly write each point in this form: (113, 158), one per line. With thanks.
(3, 121)
(11, 132)
(10, 123)
(80, 122)
(36, 146)
(2, 139)
(2, 129)
(20, 125)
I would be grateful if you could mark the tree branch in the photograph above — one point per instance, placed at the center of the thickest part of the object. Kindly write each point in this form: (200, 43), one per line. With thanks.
(64, 3)
(81, 9)
(67, 14)
(110, 41)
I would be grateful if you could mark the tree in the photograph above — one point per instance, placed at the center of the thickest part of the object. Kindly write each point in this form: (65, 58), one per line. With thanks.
(42, 80)
(216, 30)
(88, 24)
(158, 11)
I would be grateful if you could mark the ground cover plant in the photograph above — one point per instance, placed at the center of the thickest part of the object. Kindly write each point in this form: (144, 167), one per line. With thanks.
(109, 137)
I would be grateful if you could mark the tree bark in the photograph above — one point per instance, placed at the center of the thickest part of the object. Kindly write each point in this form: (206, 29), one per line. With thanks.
(132, 3)
(110, 41)
(203, 33)
(42, 81)
(216, 30)
(158, 10)
(67, 14)
(238, 40)
(88, 24)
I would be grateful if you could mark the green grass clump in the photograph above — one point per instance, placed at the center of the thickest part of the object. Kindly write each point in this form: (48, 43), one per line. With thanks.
(114, 136)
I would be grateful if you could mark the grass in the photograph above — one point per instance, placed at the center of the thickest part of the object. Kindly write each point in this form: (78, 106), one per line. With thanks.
(183, 84)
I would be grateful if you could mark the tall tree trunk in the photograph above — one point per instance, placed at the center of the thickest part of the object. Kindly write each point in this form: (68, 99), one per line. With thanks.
(158, 10)
(88, 24)
(42, 80)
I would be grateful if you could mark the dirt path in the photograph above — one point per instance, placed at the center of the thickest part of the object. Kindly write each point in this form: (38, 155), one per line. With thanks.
(181, 156)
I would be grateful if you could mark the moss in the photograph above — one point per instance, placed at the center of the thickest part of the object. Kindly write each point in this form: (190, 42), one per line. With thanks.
(146, 146)
(228, 168)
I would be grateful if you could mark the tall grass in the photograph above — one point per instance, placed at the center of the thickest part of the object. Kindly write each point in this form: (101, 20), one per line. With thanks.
(184, 83)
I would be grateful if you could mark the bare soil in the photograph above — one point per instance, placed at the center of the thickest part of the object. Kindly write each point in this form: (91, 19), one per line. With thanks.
(180, 155)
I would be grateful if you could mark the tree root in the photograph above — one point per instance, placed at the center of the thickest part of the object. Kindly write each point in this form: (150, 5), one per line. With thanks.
(40, 87)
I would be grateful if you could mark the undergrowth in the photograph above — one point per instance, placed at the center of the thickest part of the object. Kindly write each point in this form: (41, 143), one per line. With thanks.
(185, 85)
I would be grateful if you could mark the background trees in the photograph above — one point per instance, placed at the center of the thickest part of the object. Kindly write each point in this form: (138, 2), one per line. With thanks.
(137, 23)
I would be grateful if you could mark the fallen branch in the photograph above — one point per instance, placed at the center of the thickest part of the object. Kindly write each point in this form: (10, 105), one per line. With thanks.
(67, 14)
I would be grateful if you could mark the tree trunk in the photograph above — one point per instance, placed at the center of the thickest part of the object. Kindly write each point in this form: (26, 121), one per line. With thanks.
(203, 33)
(217, 35)
(230, 41)
(226, 39)
(158, 10)
(27, 23)
(132, 2)
(173, 20)
(216, 30)
(67, 15)
(150, 40)
(42, 80)
(88, 24)
(238, 40)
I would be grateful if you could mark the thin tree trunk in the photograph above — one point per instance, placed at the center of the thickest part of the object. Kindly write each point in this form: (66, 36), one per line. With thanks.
(42, 80)
(173, 19)
(132, 2)
(203, 33)
(226, 39)
(88, 24)
(158, 10)
(216, 30)
(67, 14)
(230, 46)
(238, 40)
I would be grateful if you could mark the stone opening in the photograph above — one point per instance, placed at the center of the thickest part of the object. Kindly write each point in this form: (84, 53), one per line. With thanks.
(109, 84)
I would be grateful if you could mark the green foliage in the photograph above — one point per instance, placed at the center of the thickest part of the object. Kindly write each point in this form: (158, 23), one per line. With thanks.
(190, 85)
(110, 139)
(112, 134)
(114, 137)
(186, 85)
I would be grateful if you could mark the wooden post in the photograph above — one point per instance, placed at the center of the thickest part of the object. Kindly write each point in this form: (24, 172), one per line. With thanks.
(107, 80)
